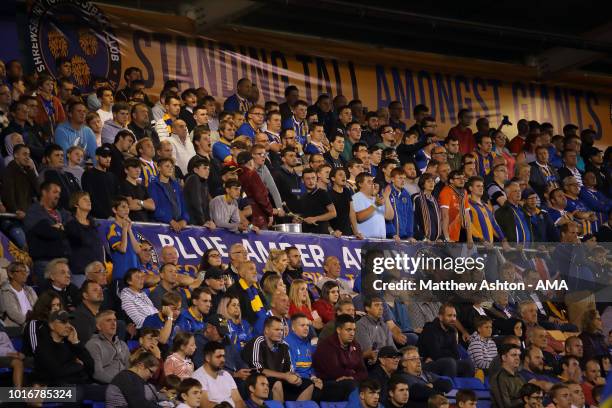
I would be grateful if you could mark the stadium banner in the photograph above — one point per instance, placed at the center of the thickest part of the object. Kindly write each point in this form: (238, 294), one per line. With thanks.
(192, 242)
(103, 40)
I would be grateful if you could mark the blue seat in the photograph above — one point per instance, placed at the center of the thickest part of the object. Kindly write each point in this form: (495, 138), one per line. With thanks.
(483, 404)
(340, 404)
(469, 383)
(274, 404)
(486, 383)
(301, 404)
(17, 343)
(443, 377)
(133, 345)
(94, 404)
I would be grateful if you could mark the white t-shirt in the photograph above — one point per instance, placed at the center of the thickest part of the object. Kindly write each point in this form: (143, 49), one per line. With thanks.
(24, 303)
(219, 389)
(373, 227)
(104, 115)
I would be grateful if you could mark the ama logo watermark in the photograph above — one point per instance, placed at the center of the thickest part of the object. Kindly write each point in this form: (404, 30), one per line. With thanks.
(77, 32)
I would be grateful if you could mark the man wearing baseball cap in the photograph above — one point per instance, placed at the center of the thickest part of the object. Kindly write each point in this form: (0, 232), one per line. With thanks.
(388, 360)
(217, 330)
(101, 184)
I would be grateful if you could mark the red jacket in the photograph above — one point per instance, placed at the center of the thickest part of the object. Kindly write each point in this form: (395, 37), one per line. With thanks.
(331, 361)
(258, 194)
(42, 117)
(467, 142)
(324, 309)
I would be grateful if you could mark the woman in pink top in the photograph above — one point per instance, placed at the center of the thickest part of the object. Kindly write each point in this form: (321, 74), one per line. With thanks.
(179, 363)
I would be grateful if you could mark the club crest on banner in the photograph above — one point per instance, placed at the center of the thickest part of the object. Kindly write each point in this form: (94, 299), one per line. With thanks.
(77, 32)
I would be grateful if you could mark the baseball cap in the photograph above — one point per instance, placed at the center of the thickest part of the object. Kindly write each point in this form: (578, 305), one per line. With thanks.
(230, 169)
(389, 352)
(213, 273)
(61, 315)
(104, 151)
(219, 322)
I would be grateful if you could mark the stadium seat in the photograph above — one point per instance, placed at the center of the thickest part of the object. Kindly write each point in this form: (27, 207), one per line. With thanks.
(483, 404)
(133, 345)
(301, 404)
(94, 404)
(17, 343)
(340, 404)
(274, 404)
(469, 383)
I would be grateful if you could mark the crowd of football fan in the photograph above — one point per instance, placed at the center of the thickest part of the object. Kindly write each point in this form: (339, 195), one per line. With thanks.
(235, 336)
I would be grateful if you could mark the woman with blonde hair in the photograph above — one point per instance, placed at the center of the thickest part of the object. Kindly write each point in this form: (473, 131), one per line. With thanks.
(300, 303)
(240, 331)
(270, 283)
(277, 261)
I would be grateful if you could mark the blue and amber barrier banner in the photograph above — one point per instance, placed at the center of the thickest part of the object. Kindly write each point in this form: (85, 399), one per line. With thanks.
(103, 40)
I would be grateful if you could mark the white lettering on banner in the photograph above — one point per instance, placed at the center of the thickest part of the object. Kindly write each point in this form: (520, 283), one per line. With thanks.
(350, 261)
(261, 248)
(251, 254)
(305, 256)
(196, 247)
(317, 254)
(165, 240)
(183, 252)
(220, 246)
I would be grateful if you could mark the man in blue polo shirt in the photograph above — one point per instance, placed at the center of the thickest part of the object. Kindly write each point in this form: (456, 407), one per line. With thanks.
(252, 125)
(193, 318)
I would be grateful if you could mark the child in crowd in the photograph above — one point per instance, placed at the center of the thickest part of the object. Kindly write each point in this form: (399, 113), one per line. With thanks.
(189, 393)
(438, 401)
(179, 362)
(482, 348)
(170, 388)
(466, 399)
(75, 159)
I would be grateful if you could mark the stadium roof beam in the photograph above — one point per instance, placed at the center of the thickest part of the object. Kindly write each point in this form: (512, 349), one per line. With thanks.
(500, 32)
(560, 59)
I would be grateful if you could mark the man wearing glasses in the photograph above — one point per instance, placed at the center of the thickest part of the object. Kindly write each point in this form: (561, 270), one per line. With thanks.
(532, 396)
(252, 126)
(422, 384)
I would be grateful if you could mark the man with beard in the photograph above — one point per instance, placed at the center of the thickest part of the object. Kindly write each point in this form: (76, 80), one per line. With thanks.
(438, 345)
(217, 384)
(338, 360)
(295, 271)
(533, 369)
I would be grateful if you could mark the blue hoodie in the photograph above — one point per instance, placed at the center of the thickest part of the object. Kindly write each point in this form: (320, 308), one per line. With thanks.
(301, 351)
(66, 136)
